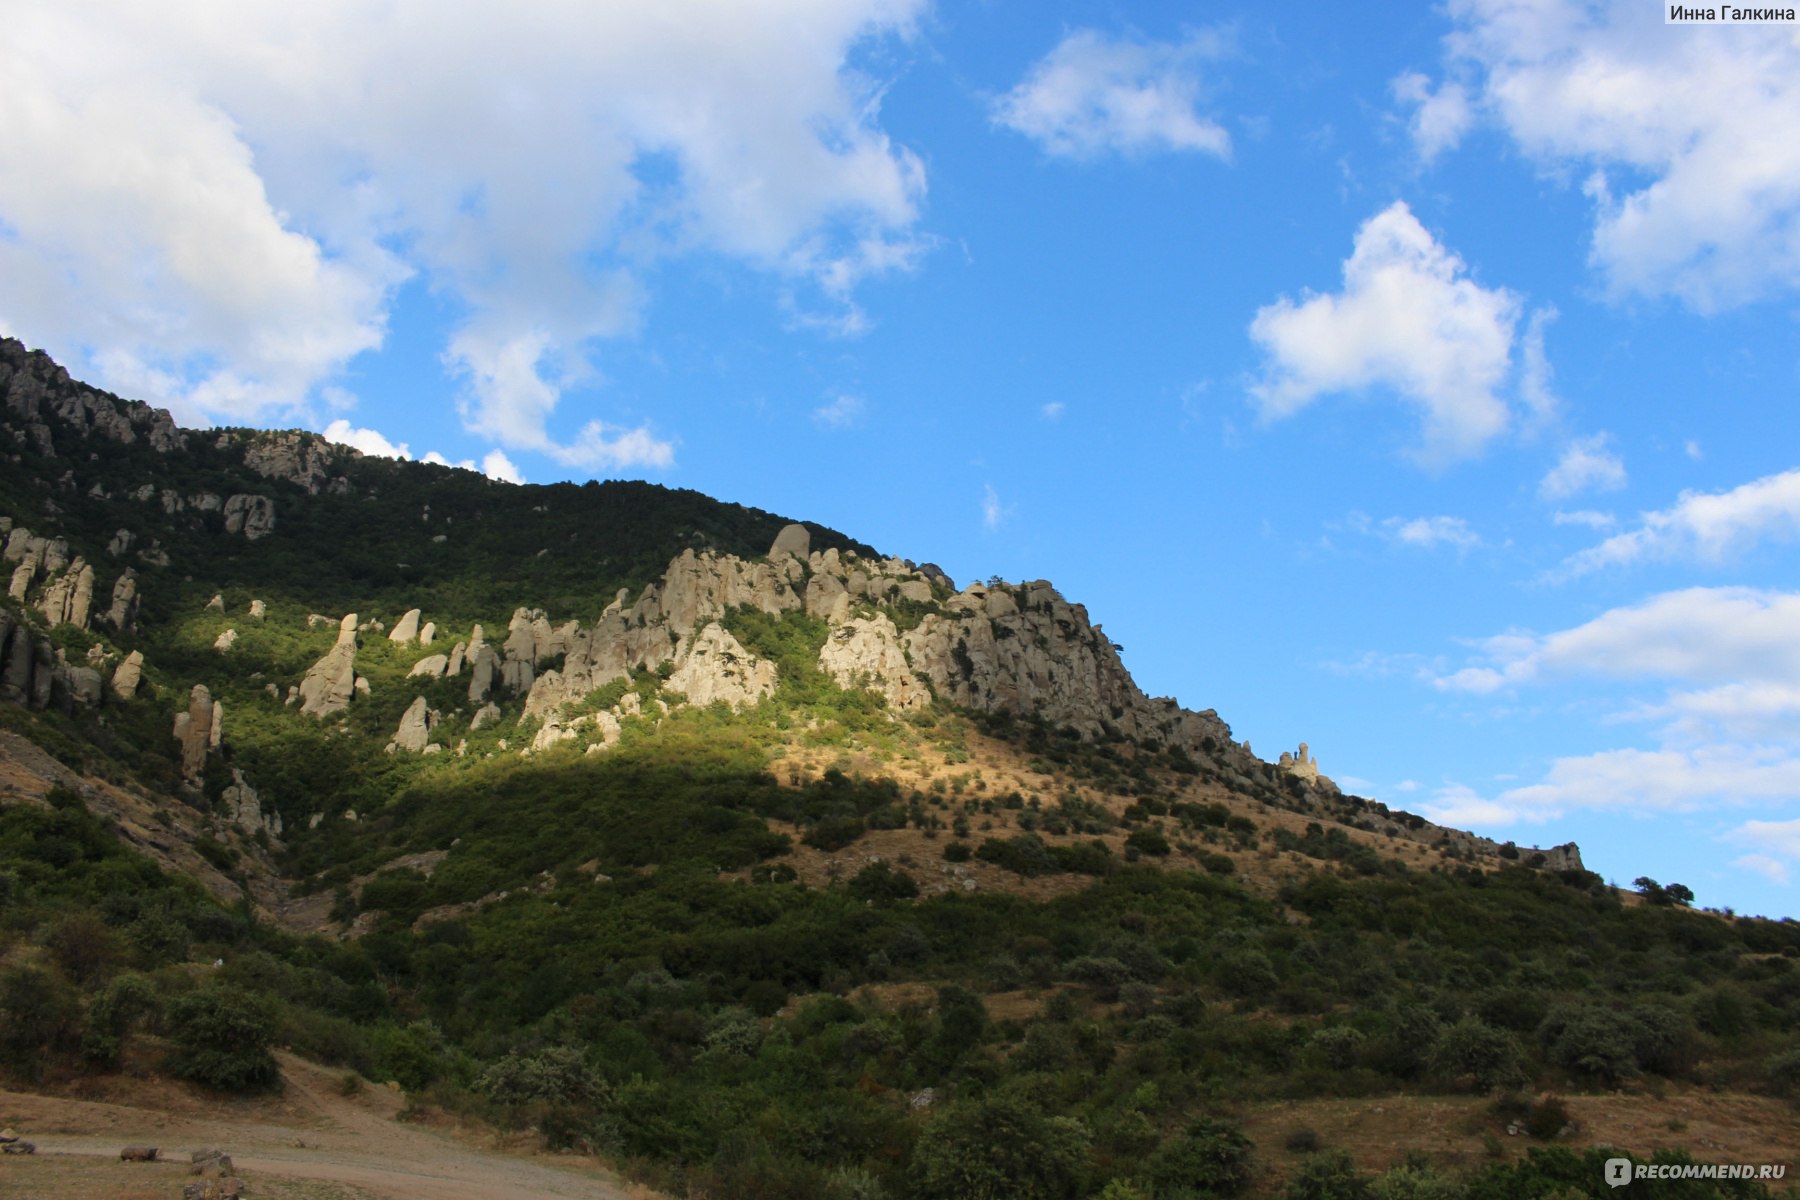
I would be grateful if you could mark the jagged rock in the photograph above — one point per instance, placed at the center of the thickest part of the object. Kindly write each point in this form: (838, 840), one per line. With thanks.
(69, 598)
(193, 730)
(216, 604)
(865, 652)
(827, 597)
(206, 502)
(415, 727)
(431, 667)
(225, 641)
(253, 516)
(331, 681)
(1301, 765)
(699, 588)
(258, 610)
(487, 714)
(84, 686)
(406, 628)
(428, 633)
(794, 540)
(482, 674)
(455, 665)
(121, 543)
(244, 807)
(712, 665)
(22, 576)
(128, 675)
(43, 675)
(123, 613)
(294, 456)
(16, 662)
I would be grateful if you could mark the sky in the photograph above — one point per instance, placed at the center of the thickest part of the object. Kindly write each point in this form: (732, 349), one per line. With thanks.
(1417, 381)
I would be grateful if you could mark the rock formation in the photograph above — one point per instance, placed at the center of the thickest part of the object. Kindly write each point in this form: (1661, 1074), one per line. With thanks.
(415, 728)
(252, 516)
(244, 807)
(331, 682)
(712, 666)
(194, 732)
(406, 628)
(128, 675)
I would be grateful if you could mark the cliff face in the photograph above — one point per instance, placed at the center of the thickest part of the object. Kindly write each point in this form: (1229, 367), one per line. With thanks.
(108, 498)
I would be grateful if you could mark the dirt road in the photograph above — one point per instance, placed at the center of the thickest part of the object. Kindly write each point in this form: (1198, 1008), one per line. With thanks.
(312, 1141)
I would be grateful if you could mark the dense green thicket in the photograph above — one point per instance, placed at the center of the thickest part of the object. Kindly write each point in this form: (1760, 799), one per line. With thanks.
(696, 1027)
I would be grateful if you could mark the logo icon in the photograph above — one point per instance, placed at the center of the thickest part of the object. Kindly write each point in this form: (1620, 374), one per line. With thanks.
(1618, 1172)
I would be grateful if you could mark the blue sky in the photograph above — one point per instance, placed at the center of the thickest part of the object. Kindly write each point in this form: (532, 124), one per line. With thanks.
(1418, 382)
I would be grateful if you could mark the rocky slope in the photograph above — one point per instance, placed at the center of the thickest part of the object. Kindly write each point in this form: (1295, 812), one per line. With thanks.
(116, 523)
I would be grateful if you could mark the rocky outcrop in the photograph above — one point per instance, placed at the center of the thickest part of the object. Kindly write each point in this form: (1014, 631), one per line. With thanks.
(225, 641)
(1303, 766)
(406, 628)
(712, 666)
(244, 807)
(128, 676)
(793, 540)
(69, 597)
(34, 389)
(252, 516)
(415, 728)
(331, 682)
(432, 666)
(866, 652)
(294, 456)
(122, 614)
(194, 731)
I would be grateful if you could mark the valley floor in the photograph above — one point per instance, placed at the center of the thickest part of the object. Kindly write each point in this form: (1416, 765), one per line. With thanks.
(310, 1143)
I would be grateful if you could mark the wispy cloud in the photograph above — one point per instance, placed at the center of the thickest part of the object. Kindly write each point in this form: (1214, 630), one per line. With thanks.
(1094, 95)
(1706, 527)
(1587, 465)
(840, 412)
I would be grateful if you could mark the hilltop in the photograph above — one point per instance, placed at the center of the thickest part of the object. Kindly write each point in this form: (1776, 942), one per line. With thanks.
(758, 861)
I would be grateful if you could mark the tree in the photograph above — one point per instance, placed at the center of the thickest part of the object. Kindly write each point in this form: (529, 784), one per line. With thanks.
(1679, 893)
(1650, 890)
(222, 1038)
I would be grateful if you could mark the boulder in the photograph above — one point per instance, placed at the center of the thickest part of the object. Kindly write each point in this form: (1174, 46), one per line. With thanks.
(253, 516)
(428, 633)
(792, 540)
(225, 641)
(128, 675)
(123, 613)
(415, 728)
(138, 1154)
(258, 610)
(432, 666)
(406, 628)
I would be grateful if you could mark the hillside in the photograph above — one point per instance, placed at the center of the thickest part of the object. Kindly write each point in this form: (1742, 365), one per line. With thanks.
(760, 863)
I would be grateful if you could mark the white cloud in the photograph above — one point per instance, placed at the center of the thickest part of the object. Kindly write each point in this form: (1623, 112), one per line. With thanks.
(1587, 465)
(1630, 781)
(1409, 320)
(992, 511)
(1692, 449)
(1094, 95)
(1586, 516)
(1686, 136)
(495, 465)
(1776, 847)
(1703, 526)
(1429, 532)
(841, 412)
(1053, 411)
(222, 203)
(369, 441)
(1441, 115)
(1709, 636)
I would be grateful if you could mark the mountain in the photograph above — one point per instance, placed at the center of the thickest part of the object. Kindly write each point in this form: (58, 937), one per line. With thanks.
(630, 814)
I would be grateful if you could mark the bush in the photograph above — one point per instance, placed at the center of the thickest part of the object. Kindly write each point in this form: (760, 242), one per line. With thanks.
(1210, 1156)
(222, 1037)
(38, 1016)
(1330, 1175)
(555, 1073)
(1000, 1148)
(1471, 1049)
(879, 883)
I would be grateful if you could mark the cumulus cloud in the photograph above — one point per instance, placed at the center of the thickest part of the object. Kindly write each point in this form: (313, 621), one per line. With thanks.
(1591, 518)
(1053, 411)
(1094, 95)
(1685, 136)
(1587, 465)
(222, 203)
(1410, 321)
(1707, 527)
(369, 441)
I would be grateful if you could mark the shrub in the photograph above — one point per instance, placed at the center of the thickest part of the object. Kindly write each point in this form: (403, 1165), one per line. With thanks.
(222, 1037)
(1330, 1175)
(38, 1015)
(1471, 1049)
(1000, 1148)
(555, 1073)
(1210, 1156)
(879, 883)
